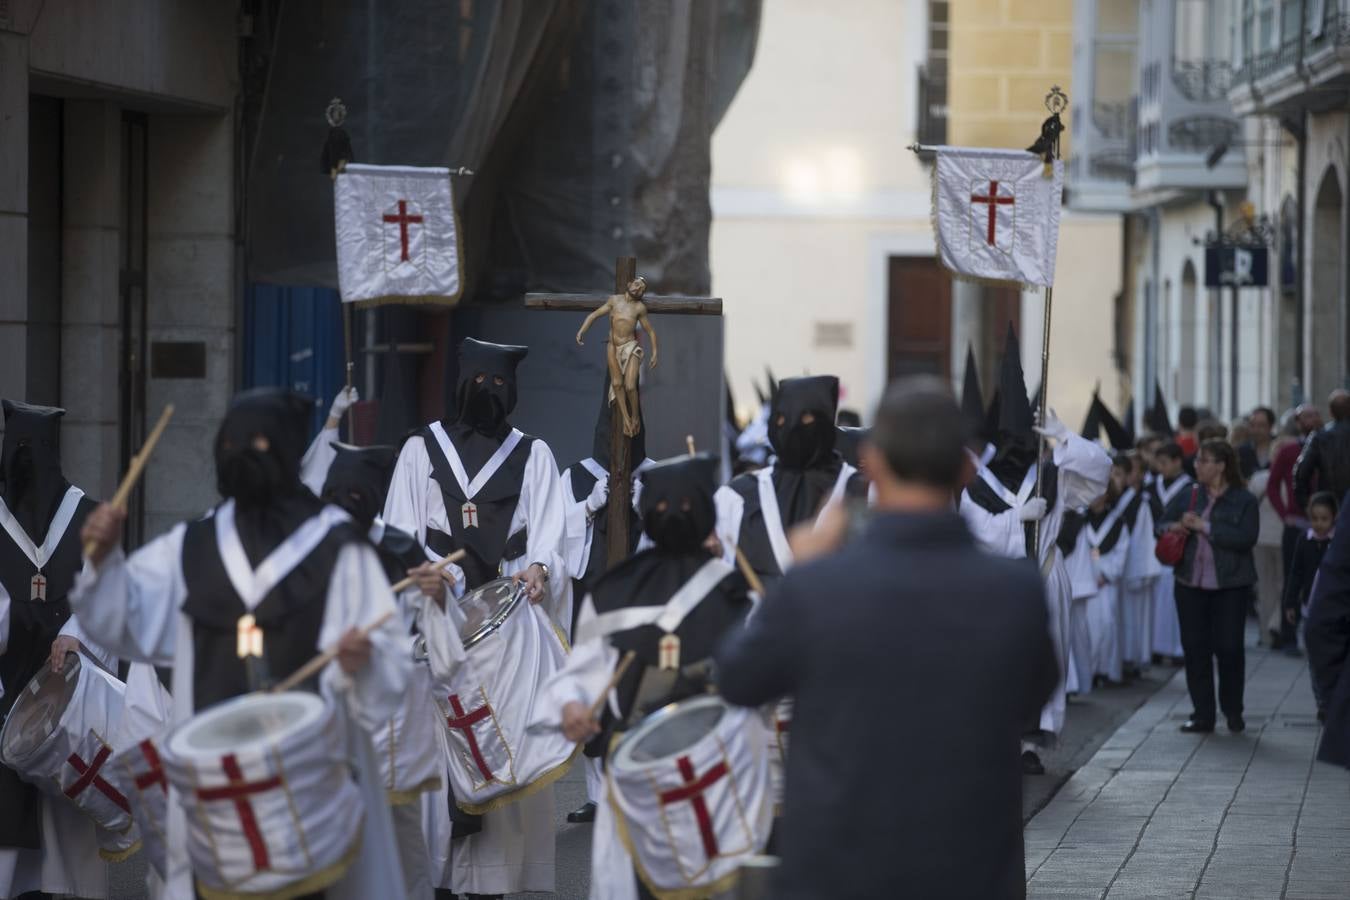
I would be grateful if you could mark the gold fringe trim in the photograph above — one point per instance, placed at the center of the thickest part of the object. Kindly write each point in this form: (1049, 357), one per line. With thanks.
(117, 856)
(562, 638)
(534, 787)
(310, 884)
(414, 793)
(702, 892)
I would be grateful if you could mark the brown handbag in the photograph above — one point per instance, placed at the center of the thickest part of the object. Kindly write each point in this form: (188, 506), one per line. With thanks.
(1171, 547)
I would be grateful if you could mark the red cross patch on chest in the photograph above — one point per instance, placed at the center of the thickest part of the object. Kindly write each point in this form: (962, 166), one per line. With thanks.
(37, 588)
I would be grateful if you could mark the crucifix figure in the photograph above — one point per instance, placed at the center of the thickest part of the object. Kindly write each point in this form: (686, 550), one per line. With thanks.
(625, 309)
(624, 354)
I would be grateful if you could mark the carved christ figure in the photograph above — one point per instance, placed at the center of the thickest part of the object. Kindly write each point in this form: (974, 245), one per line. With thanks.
(625, 354)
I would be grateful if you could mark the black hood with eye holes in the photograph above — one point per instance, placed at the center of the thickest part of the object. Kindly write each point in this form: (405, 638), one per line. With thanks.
(30, 465)
(483, 410)
(677, 501)
(359, 479)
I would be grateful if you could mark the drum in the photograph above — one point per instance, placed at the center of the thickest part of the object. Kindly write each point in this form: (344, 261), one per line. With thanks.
(487, 702)
(58, 737)
(139, 774)
(270, 804)
(692, 796)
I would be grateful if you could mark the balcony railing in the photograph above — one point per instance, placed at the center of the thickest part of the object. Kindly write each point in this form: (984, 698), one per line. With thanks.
(1115, 121)
(1112, 165)
(1198, 134)
(1202, 80)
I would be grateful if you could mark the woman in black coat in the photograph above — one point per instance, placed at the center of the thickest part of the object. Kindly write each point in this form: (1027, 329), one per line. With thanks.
(1214, 582)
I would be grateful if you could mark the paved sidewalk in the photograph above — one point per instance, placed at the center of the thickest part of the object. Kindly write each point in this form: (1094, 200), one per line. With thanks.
(1157, 813)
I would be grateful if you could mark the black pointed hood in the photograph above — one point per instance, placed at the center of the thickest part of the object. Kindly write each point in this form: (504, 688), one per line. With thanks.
(1128, 426)
(1014, 413)
(1092, 422)
(270, 500)
(798, 445)
(1116, 433)
(1156, 418)
(30, 465)
(677, 501)
(358, 480)
(485, 406)
(972, 398)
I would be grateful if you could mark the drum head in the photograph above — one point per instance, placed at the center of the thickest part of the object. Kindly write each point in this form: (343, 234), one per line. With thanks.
(669, 731)
(246, 723)
(486, 607)
(38, 710)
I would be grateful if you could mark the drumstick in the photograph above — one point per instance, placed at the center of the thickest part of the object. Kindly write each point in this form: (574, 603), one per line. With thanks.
(314, 665)
(624, 663)
(751, 578)
(137, 466)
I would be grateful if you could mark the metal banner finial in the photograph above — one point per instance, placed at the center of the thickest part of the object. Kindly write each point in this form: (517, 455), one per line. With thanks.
(1056, 101)
(336, 113)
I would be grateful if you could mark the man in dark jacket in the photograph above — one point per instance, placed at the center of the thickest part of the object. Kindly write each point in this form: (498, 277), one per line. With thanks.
(1327, 634)
(1326, 458)
(912, 684)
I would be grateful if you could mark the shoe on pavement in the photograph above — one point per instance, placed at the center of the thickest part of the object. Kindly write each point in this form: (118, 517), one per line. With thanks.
(1235, 725)
(1031, 763)
(1197, 726)
(582, 815)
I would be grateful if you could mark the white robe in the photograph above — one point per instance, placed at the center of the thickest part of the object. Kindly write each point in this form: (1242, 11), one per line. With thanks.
(134, 606)
(731, 509)
(1104, 613)
(580, 526)
(1083, 583)
(1141, 573)
(517, 848)
(1084, 469)
(318, 459)
(1166, 629)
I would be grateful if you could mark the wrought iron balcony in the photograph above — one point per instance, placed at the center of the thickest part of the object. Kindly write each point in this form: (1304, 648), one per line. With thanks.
(1115, 121)
(1199, 134)
(1112, 165)
(1202, 81)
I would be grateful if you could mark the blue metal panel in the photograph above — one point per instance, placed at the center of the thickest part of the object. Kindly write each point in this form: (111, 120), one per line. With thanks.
(293, 338)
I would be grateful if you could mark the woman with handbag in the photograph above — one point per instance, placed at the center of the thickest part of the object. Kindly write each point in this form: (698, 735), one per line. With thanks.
(1219, 522)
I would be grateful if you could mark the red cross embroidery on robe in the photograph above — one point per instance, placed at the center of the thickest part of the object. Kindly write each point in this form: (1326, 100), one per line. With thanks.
(37, 588)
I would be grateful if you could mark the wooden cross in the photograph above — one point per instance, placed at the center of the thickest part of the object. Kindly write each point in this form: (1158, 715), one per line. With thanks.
(621, 463)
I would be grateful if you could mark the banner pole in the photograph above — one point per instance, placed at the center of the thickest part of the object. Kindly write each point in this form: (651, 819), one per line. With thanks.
(347, 344)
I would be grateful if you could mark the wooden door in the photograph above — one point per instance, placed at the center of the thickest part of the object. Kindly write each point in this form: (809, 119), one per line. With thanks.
(920, 329)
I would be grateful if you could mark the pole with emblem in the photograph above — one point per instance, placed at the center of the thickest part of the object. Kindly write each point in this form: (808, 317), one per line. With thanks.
(620, 444)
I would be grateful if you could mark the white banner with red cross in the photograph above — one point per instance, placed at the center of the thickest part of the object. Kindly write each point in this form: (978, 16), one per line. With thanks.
(397, 236)
(996, 214)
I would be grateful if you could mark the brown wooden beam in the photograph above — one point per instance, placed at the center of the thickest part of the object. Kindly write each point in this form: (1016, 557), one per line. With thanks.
(666, 304)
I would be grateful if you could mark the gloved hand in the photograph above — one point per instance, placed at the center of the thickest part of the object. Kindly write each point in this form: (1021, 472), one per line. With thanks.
(599, 496)
(1053, 427)
(343, 402)
(1033, 510)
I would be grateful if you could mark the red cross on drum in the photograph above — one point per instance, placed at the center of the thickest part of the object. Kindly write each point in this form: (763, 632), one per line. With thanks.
(993, 215)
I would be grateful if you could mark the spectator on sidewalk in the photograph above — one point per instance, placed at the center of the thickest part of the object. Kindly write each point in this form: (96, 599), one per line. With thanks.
(1255, 452)
(923, 628)
(1254, 458)
(1325, 463)
(1308, 553)
(1327, 634)
(1187, 420)
(1307, 421)
(1214, 583)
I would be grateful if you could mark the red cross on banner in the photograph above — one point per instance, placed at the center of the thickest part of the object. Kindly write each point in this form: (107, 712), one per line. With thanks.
(238, 791)
(154, 776)
(464, 723)
(994, 200)
(403, 220)
(692, 791)
(89, 776)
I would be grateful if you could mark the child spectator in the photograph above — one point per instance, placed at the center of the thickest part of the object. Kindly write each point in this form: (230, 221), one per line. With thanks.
(1308, 553)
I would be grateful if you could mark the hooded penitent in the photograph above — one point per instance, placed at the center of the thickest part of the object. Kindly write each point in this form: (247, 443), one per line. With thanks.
(679, 515)
(30, 464)
(677, 502)
(485, 397)
(1155, 418)
(258, 451)
(849, 443)
(802, 434)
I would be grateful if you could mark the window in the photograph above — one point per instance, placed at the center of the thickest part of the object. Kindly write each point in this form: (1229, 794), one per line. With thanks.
(1202, 49)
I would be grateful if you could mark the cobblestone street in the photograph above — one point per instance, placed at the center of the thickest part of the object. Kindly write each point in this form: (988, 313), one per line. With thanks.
(1156, 813)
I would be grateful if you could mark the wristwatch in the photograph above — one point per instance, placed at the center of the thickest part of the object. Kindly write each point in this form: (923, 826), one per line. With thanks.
(542, 566)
